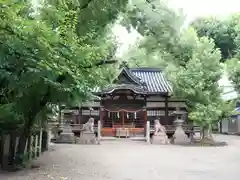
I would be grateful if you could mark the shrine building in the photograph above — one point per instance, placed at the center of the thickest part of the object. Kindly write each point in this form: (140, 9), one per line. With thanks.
(136, 95)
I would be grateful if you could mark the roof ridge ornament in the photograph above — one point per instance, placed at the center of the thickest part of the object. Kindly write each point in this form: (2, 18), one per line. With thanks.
(125, 68)
(124, 64)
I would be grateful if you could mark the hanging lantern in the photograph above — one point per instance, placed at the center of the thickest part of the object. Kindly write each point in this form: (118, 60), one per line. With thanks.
(127, 116)
(118, 115)
(135, 115)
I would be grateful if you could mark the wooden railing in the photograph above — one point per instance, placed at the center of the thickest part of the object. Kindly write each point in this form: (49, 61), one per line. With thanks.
(124, 126)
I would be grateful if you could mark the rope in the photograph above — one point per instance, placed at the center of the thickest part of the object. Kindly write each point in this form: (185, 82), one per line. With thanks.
(125, 110)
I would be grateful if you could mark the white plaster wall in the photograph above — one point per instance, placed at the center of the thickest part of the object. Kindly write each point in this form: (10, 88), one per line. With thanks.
(162, 104)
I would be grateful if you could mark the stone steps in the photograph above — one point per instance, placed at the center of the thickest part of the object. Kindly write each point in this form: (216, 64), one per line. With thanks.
(110, 138)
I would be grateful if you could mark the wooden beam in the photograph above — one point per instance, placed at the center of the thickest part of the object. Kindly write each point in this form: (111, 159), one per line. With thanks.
(166, 107)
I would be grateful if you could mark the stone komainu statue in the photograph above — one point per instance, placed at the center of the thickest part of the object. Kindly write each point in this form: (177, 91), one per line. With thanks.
(158, 128)
(88, 126)
(160, 136)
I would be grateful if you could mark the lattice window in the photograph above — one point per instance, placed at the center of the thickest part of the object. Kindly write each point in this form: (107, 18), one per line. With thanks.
(155, 113)
(170, 112)
(95, 113)
(87, 112)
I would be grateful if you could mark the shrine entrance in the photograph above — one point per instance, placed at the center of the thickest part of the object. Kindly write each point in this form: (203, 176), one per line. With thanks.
(123, 118)
(123, 113)
(123, 123)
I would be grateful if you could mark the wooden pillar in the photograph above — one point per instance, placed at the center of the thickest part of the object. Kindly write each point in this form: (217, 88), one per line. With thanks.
(101, 111)
(61, 118)
(79, 114)
(101, 114)
(166, 110)
(145, 119)
(145, 115)
(100, 124)
(122, 113)
(59, 115)
(145, 110)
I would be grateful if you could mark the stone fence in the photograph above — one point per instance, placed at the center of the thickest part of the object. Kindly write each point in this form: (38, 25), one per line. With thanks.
(36, 144)
(186, 128)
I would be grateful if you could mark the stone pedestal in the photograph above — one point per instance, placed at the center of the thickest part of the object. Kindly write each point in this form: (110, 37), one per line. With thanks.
(160, 138)
(180, 138)
(148, 132)
(66, 136)
(99, 132)
(54, 133)
(87, 138)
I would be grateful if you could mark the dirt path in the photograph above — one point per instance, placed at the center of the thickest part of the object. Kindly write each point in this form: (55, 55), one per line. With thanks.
(124, 160)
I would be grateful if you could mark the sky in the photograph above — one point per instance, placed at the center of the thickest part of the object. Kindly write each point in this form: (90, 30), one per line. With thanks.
(192, 10)
(196, 8)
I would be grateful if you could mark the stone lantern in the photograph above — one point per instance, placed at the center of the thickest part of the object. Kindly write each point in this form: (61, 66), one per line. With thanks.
(179, 117)
(179, 136)
(66, 136)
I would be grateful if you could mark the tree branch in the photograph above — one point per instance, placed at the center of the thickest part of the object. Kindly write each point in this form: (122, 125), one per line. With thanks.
(85, 6)
(108, 60)
(100, 63)
(149, 2)
(97, 63)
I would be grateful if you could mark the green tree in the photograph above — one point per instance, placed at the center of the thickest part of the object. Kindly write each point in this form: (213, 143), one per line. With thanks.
(191, 63)
(46, 59)
(197, 82)
(156, 21)
(225, 33)
(234, 72)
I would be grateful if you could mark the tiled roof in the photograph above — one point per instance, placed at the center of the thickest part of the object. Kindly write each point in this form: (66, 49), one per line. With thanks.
(148, 80)
(154, 78)
(237, 110)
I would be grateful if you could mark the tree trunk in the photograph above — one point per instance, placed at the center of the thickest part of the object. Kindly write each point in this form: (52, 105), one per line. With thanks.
(207, 134)
(1, 146)
(28, 126)
(13, 139)
(220, 126)
(23, 141)
(207, 131)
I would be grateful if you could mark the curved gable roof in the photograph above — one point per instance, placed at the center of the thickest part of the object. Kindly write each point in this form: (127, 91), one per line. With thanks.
(150, 80)
(134, 79)
(154, 78)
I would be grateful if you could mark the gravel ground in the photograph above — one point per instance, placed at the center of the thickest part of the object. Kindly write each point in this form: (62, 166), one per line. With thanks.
(128, 160)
